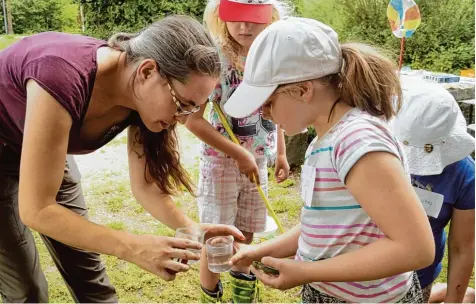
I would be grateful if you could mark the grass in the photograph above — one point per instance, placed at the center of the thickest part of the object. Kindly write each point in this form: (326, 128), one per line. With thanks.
(117, 226)
(7, 40)
(111, 203)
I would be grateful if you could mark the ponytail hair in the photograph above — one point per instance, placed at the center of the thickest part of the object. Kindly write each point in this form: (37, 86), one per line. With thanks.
(369, 81)
(121, 41)
(179, 45)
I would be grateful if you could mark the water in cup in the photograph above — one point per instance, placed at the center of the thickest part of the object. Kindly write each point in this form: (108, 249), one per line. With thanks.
(219, 263)
(219, 253)
(190, 234)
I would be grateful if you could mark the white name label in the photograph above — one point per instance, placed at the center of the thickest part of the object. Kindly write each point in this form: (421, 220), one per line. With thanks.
(431, 201)
(308, 181)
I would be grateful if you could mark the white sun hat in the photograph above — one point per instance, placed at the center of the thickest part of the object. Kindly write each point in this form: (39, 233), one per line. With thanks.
(431, 127)
(289, 50)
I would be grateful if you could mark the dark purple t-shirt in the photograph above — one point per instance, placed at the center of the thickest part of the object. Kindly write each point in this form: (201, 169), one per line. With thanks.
(62, 64)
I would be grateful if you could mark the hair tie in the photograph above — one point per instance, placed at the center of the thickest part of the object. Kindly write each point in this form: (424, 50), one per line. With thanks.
(341, 73)
(342, 67)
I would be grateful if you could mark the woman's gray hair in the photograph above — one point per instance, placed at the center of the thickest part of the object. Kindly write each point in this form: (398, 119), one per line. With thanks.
(179, 45)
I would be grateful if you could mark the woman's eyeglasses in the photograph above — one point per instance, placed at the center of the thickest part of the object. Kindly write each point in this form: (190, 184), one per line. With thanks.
(183, 109)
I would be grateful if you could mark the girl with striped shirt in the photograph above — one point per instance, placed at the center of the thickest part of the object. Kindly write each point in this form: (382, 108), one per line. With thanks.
(363, 231)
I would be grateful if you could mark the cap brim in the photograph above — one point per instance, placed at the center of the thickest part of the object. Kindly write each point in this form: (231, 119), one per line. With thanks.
(230, 11)
(246, 99)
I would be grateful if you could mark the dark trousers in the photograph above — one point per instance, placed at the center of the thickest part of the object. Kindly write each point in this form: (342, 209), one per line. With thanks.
(21, 277)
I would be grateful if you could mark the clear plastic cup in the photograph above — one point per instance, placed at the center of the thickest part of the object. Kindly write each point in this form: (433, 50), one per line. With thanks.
(190, 234)
(219, 253)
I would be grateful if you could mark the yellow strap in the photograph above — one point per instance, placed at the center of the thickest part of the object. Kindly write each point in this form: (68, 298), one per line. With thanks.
(228, 129)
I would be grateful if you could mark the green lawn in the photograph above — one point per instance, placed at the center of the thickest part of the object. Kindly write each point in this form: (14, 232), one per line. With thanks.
(111, 203)
(7, 40)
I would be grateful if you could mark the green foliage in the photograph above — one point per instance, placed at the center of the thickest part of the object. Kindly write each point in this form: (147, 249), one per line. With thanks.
(103, 18)
(33, 16)
(444, 41)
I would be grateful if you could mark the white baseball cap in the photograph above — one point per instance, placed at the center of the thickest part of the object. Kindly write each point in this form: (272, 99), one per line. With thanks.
(431, 127)
(289, 50)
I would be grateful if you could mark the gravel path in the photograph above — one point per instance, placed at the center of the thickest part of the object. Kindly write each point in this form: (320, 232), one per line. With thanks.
(113, 156)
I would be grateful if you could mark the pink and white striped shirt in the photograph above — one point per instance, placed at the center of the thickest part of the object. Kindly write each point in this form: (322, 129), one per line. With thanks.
(332, 221)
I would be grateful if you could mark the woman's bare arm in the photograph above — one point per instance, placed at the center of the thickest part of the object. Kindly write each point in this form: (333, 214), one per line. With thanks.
(43, 159)
(45, 143)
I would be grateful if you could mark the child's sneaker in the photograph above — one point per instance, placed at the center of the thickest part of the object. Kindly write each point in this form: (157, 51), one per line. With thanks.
(207, 296)
(243, 287)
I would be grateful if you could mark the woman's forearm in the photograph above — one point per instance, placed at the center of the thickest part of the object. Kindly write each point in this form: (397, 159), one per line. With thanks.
(69, 228)
(162, 207)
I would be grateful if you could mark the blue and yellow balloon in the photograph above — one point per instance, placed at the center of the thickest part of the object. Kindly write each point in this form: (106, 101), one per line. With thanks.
(404, 18)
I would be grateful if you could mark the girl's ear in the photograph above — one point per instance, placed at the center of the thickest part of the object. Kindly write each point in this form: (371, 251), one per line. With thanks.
(306, 90)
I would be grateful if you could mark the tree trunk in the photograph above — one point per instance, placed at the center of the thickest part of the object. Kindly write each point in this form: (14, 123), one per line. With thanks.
(296, 147)
(9, 18)
(5, 16)
(81, 12)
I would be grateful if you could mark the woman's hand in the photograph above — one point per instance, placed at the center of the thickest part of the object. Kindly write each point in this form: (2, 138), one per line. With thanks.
(161, 255)
(212, 230)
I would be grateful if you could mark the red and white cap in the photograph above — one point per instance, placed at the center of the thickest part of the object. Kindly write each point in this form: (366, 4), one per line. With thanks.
(255, 11)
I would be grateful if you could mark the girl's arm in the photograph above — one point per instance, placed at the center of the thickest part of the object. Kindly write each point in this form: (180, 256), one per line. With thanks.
(199, 126)
(461, 254)
(281, 142)
(282, 246)
(380, 185)
(282, 166)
